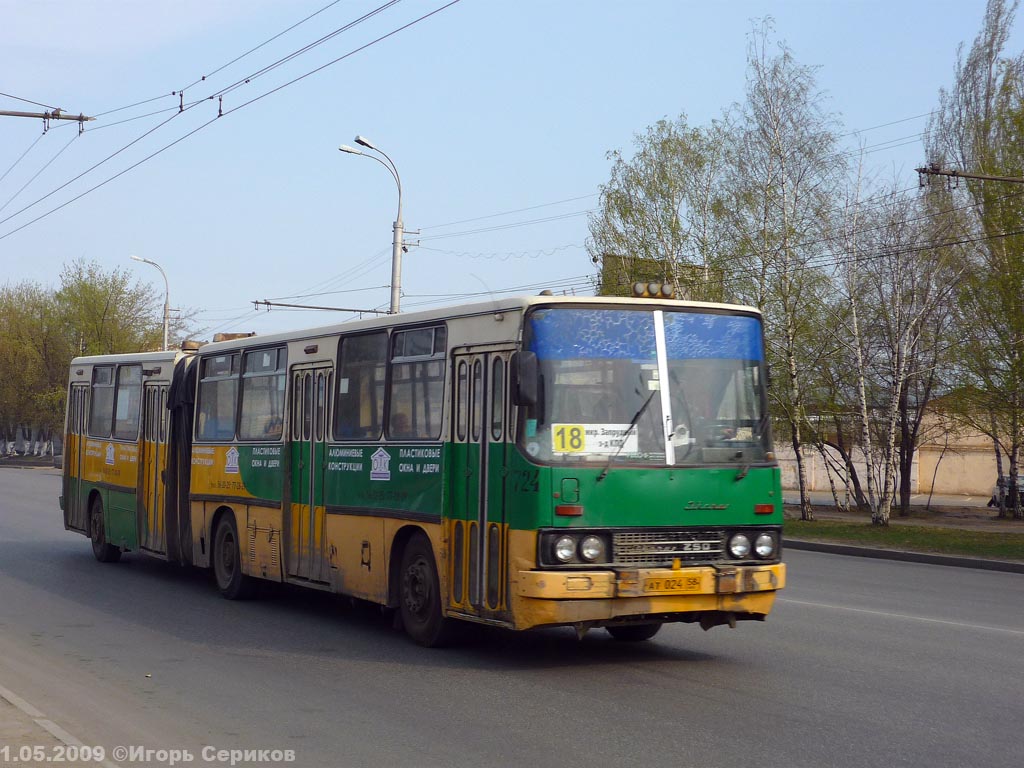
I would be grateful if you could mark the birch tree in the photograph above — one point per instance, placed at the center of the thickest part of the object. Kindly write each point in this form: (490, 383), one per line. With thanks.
(783, 183)
(979, 127)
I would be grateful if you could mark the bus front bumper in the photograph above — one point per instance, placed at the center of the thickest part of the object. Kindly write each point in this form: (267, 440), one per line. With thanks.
(601, 597)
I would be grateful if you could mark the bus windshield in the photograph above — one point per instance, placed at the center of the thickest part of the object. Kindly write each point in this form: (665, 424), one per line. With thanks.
(646, 387)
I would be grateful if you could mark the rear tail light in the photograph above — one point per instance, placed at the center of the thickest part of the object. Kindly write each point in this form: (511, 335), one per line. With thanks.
(569, 510)
(764, 509)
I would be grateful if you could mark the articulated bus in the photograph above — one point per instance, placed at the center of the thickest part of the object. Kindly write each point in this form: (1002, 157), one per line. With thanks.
(527, 462)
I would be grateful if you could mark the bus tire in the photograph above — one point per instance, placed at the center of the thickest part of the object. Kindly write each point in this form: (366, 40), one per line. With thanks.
(634, 633)
(420, 595)
(227, 561)
(104, 551)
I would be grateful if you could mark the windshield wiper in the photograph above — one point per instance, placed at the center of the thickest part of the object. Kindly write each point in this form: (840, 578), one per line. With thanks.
(744, 467)
(625, 436)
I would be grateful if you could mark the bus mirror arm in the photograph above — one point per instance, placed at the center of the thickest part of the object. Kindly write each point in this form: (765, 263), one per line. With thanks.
(525, 378)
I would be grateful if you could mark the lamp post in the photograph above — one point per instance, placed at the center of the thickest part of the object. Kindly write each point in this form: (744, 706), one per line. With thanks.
(167, 293)
(396, 241)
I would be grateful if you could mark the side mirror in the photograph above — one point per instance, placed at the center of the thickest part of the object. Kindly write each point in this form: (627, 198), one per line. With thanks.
(525, 378)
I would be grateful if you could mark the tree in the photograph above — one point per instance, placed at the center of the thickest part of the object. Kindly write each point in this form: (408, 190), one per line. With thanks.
(980, 126)
(657, 218)
(108, 312)
(783, 183)
(41, 330)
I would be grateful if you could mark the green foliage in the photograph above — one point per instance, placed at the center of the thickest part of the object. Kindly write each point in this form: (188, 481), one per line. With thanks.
(658, 213)
(912, 538)
(41, 330)
(980, 128)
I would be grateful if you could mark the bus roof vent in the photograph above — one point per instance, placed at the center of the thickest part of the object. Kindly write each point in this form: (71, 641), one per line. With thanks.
(232, 336)
(191, 345)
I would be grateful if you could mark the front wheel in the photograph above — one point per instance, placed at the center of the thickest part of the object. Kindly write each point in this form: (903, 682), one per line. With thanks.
(634, 633)
(227, 561)
(420, 595)
(104, 551)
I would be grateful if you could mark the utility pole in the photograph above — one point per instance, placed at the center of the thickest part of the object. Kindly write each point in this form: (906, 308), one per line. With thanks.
(935, 170)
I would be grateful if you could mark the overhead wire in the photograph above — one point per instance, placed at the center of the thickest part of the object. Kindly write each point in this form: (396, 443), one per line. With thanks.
(204, 125)
(22, 156)
(29, 101)
(37, 174)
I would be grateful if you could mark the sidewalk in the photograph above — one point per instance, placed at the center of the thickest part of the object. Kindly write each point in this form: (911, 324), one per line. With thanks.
(967, 513)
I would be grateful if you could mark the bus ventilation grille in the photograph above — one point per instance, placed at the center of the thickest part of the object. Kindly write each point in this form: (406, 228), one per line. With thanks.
(658, 548)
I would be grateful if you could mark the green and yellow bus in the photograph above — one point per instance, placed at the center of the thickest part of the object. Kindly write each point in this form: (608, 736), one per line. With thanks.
(524, 462)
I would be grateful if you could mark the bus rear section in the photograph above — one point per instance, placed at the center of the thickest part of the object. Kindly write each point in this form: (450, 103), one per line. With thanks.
(117, 432)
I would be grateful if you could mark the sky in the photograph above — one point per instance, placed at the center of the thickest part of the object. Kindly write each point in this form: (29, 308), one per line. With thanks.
(498, 114)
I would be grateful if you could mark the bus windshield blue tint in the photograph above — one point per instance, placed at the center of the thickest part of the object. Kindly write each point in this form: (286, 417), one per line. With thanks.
(603, 392)
(574, 334)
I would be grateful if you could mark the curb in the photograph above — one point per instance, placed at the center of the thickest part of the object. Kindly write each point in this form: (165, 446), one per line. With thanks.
(906, 557)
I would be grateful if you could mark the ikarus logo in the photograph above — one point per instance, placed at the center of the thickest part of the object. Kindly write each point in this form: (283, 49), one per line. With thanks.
(380, 468)
(110, 454)
(231, 461)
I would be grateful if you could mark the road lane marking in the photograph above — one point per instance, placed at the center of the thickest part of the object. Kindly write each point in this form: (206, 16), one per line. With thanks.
(890, 615)
(45, 723)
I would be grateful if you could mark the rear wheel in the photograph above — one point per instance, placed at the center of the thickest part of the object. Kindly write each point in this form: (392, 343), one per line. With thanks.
(227, 561)
(104, 551)
(420, 595)
(634, 633)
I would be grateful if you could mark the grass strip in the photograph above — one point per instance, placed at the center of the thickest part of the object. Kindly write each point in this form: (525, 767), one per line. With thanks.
(910, 538)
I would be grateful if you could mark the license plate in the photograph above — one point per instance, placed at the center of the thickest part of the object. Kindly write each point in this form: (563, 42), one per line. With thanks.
(672, 584)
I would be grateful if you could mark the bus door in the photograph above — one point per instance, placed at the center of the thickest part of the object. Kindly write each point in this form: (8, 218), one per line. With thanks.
(152, 466)
(479, 528)
(310, 392)
(75, 513)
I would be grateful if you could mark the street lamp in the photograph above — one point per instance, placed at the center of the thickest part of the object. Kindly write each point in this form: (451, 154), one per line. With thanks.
(167, 293)
(396, 242)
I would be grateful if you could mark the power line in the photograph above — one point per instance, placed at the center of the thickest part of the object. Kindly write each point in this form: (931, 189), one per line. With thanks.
(196, 130)
(22, 156)
(37, 173)
(29, 101)
(509, 213)
(182, 108)
(350, 53)
(265, 42)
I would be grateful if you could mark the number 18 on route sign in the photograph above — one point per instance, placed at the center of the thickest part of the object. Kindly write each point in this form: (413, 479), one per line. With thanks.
(593, 438)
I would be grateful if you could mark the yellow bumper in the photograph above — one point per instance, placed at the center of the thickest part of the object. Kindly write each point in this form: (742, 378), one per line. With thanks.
(560, 597)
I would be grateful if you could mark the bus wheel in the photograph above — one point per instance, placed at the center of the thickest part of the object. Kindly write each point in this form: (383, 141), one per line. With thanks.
(101, 548)
(227, 561)
(634, 633)
(420, 595)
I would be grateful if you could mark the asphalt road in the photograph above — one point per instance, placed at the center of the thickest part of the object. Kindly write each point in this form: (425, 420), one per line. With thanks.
(863, 663)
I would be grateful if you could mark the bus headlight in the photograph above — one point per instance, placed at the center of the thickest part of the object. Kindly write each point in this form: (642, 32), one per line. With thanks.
(565, 548)
(739, 546)
(592, 549)
(764, 545)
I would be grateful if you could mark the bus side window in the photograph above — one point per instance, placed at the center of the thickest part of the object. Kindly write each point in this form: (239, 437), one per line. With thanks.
(218, 397)
(417, 383)
(263, 383)
(128, 399)
(359, 403)
(101, 407)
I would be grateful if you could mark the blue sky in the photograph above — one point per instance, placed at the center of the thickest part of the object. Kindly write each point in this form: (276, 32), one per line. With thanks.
(497, 113)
